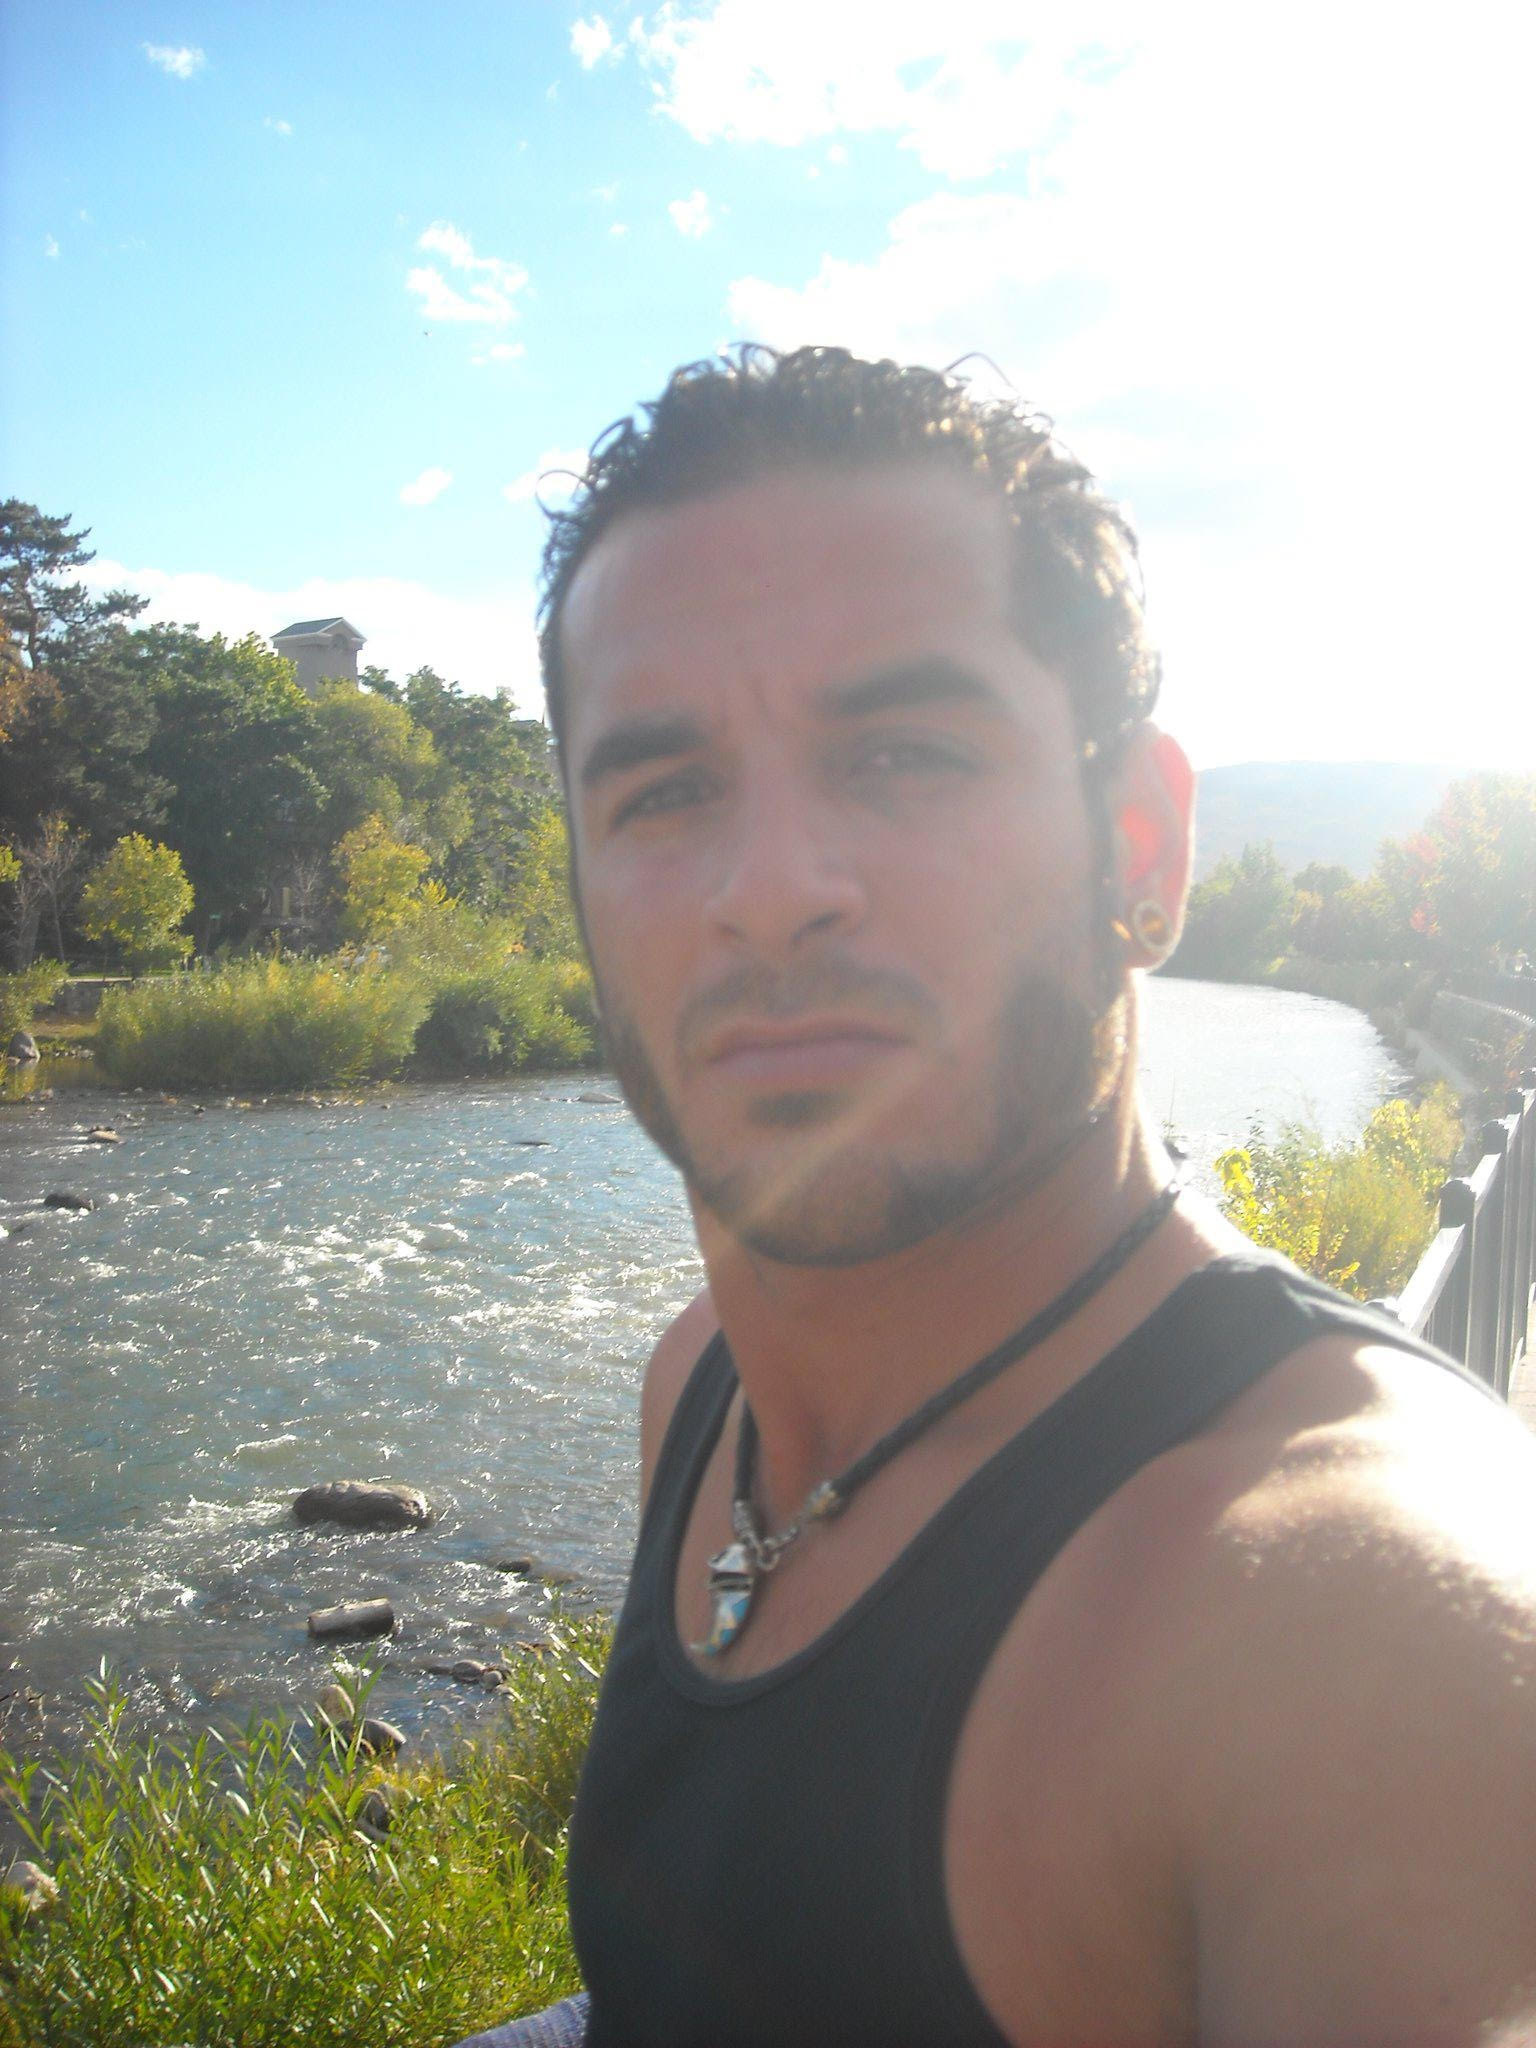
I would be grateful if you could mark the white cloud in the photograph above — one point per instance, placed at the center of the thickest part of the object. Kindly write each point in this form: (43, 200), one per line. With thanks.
(484, 643)
(619, 227)
(1283, 327)
(488, 296)
(50, 248)
(966, 86)
(277, 127)
(691, 216)
(422, 490)
(591, 41)
(606, 193)
(552, 476)
(498, 352)
(175, 60)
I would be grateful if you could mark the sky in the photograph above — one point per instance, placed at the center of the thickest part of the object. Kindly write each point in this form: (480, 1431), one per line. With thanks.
(299, 302)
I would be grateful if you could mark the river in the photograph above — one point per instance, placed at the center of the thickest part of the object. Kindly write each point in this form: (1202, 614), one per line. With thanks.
(403, 1287)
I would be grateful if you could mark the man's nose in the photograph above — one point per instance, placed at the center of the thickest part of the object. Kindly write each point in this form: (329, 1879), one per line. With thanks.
(784, 874)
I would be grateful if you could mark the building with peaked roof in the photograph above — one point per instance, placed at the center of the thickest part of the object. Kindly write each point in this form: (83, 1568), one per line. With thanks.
(320, 648)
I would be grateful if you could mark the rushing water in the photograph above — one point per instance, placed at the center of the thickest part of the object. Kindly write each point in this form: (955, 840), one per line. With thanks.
(405, 1287)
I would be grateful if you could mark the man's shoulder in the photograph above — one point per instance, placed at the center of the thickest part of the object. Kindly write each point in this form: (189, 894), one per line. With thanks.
(667, 1373)
(1355, 1479)
(1305, 1713)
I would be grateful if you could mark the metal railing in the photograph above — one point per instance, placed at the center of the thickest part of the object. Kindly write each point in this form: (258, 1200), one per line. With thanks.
(1471, 1292)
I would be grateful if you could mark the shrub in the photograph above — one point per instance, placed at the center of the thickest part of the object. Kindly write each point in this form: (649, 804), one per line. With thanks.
(23, 995)
(270, 1025)
(221, 1891)
(138, 896)
(1358, 1216)
(495, 1018)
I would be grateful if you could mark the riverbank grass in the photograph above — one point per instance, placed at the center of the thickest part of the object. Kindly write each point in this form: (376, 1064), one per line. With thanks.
(269, 1024)
(1357, 1215)
(229, 1892)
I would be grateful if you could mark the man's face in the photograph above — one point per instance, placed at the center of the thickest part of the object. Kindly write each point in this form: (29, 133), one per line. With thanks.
(833, 854)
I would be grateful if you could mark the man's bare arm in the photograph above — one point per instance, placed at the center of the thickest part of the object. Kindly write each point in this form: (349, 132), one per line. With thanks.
(1363, 1848)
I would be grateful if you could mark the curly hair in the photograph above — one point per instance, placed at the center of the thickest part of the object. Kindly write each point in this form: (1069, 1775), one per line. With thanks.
(1077, 601)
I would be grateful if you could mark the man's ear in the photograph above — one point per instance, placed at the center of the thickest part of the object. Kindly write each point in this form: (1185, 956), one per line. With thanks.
(1151, 808)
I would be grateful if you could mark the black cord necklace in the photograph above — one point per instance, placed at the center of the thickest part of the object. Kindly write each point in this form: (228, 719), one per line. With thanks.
(736, 1571)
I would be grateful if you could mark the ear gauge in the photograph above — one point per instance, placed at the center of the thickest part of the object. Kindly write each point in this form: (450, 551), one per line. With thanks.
(1148, 926)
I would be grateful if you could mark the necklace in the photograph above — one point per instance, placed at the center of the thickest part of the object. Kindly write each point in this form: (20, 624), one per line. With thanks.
(736, 1571)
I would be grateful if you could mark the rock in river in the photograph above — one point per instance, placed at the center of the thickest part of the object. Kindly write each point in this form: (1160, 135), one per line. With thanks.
(365, 1504)
(353, 1618)
(36, 1888)
(102, 1134)
(62, 1198)
(23, 1049)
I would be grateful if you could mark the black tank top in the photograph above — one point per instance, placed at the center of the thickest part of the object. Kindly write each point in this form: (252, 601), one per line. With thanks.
(760, 1861)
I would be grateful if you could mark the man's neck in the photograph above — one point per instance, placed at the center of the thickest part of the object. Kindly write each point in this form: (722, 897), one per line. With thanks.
(830, 1358)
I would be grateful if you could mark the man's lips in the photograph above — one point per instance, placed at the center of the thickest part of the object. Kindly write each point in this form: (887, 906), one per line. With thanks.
(798, 1051)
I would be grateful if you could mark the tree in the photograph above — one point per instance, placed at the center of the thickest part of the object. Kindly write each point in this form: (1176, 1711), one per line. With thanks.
(232, 733)
(502, 783)
(373, 759)
(1238, 919)
(41, 886)
(541, 903)
(137, 897)
(382, 879)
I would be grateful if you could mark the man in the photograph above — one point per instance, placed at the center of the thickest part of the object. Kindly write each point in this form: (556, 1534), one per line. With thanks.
(1160, 1663)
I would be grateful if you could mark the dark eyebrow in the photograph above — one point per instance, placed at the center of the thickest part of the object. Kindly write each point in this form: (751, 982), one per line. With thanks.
(933, 680)
(636, 741)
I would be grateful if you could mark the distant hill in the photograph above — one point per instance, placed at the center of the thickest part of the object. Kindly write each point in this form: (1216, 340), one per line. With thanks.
(1313, 810)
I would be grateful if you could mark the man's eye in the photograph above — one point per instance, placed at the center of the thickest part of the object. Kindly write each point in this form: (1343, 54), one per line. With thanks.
(676, 792)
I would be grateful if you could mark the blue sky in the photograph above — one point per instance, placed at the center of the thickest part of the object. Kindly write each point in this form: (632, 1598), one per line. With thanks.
(297, 301)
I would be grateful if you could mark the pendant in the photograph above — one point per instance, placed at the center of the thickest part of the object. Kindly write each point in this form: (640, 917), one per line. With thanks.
(732, 1582)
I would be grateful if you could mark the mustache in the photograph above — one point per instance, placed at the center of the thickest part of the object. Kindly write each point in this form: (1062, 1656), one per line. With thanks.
(827, 982)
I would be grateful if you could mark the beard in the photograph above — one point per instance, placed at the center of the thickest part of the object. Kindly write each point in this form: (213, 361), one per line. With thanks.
(834, 1192)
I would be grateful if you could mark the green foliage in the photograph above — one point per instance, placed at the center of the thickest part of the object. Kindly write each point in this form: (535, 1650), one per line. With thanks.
(1466, 885)
(382, 879)
(269, 1025)
(1238, 920)
(221, 1891)
(232, 734)
(540, 904)
(10, 866)
(493, 1019)
(137, 897)
(1358, 1216)
(23, 995)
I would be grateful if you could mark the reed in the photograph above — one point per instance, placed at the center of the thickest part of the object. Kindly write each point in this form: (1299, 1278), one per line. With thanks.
(271, 1024)
(225, 1891)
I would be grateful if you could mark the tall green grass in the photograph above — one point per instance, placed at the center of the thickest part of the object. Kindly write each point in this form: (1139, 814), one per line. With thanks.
(222, 1891)
(468, 1002)
(270, 1024)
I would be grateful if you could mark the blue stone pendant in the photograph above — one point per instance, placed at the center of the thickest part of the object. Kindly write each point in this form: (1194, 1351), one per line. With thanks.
(732, 1582)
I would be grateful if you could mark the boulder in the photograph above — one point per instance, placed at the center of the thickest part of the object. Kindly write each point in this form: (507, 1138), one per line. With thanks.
(365, 1504)
(596, 1095)
(514, 1567)
(380, 1738)
(375, 1814)
(353, 1618)
(22, 1049)
(36, 1887)
(63, 1198)
(333, 1703)
(102, 1134)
